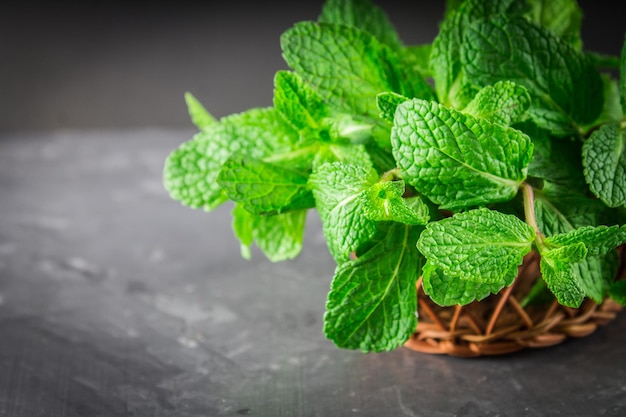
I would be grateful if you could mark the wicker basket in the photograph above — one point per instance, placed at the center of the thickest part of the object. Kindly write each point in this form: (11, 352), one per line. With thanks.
(499, 324)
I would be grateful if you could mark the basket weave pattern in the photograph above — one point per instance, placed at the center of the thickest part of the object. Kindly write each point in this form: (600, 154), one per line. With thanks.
(499, 324)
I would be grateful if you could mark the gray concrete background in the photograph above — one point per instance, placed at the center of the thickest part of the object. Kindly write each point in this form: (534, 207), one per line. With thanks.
(110, 64)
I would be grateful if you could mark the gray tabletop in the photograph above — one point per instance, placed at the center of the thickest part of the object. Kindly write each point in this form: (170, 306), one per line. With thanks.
(117, 301)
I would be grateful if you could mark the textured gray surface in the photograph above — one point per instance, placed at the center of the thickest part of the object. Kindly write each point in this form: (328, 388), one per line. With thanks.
(117, 301)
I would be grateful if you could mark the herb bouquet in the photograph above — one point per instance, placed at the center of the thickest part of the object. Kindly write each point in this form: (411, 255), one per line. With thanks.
(471, 191)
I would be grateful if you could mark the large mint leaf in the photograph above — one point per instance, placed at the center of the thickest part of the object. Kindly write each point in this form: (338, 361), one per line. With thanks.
(337, 188)
(384, 201)
(372, 301)
(597, 240)
(457, 160)
(348, 67)
(562, 17)
(566, 92)
(504, 102)
(481, 245)
(604, 159)
(198, 113)
(447, 290)
(278, 236)
(445, 60)
(191, 170)
(298, 102)
(364, 15)
(264, 188)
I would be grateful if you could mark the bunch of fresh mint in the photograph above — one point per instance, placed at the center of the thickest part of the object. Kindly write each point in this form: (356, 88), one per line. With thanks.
(450, 161)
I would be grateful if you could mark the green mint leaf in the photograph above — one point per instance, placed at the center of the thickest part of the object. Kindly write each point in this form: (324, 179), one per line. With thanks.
(604, 159)
(278, 236)
(348, 67)
(372, 304)
(418, 58)
(612, 111)
(596, 273)
(567, 253)
(298, 102)
(191, 170)
(387, 103)
(364, 15)
(555, 161)
(445, 59)
(349, 154)
(504, 102)
(597, 240)
(565, 92)
(264, 188)
(480, 245)
(383, 201)
(337, 188)
(448, 290)
(561, 281)
(458, 160)
(618, 292)
(198, 114)
(562, 17)
(622, 77)
(563, 214)
(243, 229)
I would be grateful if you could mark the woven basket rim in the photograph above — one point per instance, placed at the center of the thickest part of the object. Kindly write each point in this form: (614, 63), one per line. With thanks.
(500, 324)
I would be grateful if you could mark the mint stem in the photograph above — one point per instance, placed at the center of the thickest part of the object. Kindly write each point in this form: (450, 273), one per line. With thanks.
(529, 211)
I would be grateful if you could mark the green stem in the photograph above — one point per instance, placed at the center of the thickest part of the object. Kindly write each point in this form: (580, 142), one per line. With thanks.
(529, 211)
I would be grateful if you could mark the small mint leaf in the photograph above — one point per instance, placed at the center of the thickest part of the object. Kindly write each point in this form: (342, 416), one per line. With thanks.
(264, 188)
(349, 154)
(447, 290)
(298, 102)
(387, 104)
(504, 102)
(198, 114)
(372, 301)
(418, 58)
(191, 170)
(383, 201)
(481, 245)
(278, 236)
(455, 159)
(604, 159)
(337, 188)
(595, 274)
(561, 281)
(597, 240)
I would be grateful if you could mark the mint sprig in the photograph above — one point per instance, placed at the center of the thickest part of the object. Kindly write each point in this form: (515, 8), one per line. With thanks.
(451, 161)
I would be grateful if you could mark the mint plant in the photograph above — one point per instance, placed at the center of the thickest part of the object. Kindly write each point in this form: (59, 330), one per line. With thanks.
(449, 161)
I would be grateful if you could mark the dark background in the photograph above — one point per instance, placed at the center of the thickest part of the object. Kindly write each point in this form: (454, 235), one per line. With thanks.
(107, 64)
